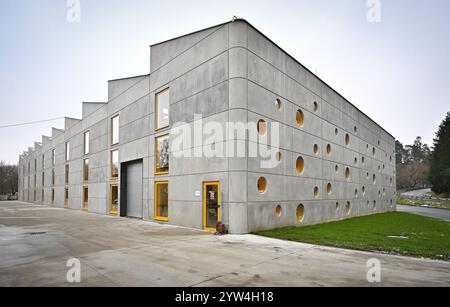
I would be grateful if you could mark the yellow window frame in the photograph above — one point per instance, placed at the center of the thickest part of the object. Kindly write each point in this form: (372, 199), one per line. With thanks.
(156, 109)
(156, 155)
(85, 207)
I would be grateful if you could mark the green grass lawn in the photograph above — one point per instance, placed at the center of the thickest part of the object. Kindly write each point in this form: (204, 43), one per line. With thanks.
(401, 200)
(426, 237)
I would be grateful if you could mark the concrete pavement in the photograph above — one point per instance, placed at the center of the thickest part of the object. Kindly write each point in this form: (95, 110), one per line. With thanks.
(36, 242)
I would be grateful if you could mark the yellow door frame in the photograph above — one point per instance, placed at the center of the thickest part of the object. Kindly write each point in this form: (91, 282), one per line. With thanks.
(155, 215)
(111, 212)
(205, 184)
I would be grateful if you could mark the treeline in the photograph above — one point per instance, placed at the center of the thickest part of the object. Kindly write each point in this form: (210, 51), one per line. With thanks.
(419, 166)
(9, 179)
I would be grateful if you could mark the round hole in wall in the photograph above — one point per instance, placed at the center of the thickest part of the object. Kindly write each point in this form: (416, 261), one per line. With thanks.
(315, 106)
(329, 149)
(348, 208)
(375, 205)
(336, 169)
(363, 160)
(262, 185)
(261, 127)
(347, 139)
(347, 173)
(356, 193)
(300, 118)
(278, 211)
(356, 161)
(329, 188)
(300, 165)
(374, 177)
(278, 104)
(316, 149)
(300, 213)
(374, 151)
(316, 192)
(368, 204)
(379, 194)
(355, 129)
(278, 156)
(337, 206)
(364, 190)
(336, 131)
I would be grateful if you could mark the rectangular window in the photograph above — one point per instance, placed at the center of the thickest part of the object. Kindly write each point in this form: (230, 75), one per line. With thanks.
(43, 161)
(86, 142)
(34, 195)
(42, 196)
(162, 155)
(85, 198)
(29, 168)
(115, 130)
(35, 165)
(67, 151)
(162, 106)
(66, 179)
(86, 170)
(53, 157)
(53, 196)
(66, 198)
(53, 177)
(162, 201)
(115, 164)
(43, 179)
(35, 183)
(114, 201)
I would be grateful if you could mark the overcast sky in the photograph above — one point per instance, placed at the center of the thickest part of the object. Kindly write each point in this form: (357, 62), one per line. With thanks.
(397, 71)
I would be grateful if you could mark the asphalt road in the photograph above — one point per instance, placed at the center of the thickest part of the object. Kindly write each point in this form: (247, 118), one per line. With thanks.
(36, 242)
(443, 214)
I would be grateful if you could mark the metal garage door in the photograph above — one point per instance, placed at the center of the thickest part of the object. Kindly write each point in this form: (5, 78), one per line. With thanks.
(134, 189)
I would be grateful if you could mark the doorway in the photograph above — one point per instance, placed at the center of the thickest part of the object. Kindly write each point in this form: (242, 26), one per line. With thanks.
(211, 205)
(131, 189)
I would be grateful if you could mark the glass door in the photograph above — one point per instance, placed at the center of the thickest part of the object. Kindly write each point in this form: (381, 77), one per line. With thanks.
(211, 205)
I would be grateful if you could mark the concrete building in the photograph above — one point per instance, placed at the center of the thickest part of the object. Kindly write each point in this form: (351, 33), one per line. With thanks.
(332, 161)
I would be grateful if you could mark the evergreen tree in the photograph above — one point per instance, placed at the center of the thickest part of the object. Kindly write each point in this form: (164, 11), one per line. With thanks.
(440, 164)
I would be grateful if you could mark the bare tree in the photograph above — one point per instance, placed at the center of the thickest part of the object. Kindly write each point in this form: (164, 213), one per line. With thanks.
(9, 178)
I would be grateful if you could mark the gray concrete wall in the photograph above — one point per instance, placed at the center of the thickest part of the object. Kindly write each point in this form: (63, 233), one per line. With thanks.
(227, 73)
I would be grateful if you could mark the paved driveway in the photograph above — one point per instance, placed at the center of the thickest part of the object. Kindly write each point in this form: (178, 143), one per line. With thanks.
(36, 242)
(443, 214)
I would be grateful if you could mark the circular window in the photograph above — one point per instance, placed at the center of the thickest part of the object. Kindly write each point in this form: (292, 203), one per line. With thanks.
(316, 192)
(278, 156)
(336, 131)
(348, 208)
(316, 149)
(347, 139)
(300, 165)
(262, 185)
(261, 127)
(278, 211)
(347, 173)
(355, 129)
(356, 161)
(315, 106)
(329, 188)
(300, 213)
(328, 149)
(278, 104)
(300, 118)
(336, 169)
